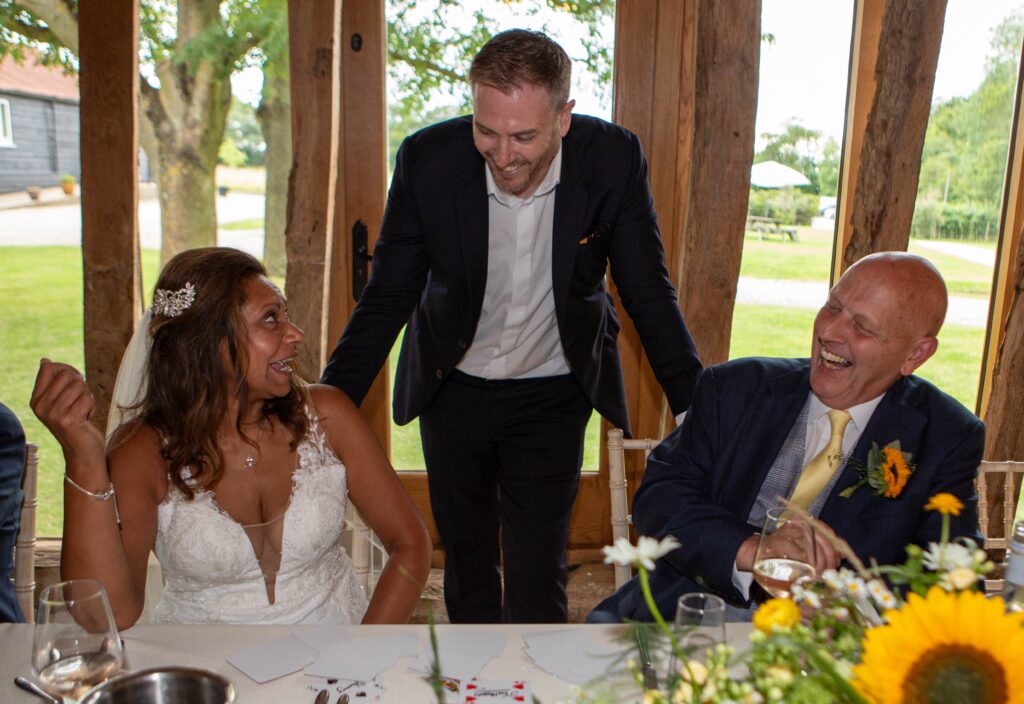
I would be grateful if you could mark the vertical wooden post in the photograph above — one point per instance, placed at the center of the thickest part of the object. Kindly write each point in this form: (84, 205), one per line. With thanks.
(725, 80)
(882, 205)
(686, 84)
(313, 40)
(860, 90)
(1001, 394)
(362, 175)
(1006, 270)
(108, 86)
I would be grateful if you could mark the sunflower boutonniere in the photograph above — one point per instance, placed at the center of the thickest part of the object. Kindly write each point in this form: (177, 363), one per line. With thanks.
(886, 471)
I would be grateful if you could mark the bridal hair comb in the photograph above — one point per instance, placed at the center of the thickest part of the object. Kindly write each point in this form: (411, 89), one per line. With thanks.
(171, 304)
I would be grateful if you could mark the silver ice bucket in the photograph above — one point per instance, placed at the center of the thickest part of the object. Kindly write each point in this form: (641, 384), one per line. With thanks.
(164, 685)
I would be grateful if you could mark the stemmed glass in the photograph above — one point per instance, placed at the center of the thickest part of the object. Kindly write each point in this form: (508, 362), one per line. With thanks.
(701, 618)
(76, 644)
(785, 552)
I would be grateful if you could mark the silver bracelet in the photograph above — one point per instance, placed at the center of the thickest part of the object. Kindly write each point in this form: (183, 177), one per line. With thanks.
(101, 496)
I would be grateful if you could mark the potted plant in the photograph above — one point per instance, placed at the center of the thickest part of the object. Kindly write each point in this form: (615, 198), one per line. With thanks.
(67, 184)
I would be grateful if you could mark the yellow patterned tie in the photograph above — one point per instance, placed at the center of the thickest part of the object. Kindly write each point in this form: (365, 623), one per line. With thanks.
(821, 468)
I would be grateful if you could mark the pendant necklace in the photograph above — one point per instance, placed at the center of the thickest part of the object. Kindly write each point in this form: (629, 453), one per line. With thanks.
(253, 458)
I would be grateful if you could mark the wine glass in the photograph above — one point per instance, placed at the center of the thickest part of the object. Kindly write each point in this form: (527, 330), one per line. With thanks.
(785, 552)
(76, 644)
(701, 618)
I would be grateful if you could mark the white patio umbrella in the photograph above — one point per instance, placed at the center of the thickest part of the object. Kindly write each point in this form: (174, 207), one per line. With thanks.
(772, 174)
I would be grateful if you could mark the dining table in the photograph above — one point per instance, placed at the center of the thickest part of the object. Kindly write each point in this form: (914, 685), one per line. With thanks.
(209, 646)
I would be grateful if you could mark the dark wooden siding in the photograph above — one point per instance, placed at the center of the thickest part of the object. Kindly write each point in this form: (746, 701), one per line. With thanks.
(46, 135)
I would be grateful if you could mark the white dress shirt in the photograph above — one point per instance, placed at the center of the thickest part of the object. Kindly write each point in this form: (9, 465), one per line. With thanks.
(517, 334)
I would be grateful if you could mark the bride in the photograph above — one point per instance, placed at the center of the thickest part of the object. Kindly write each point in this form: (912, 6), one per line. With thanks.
(234, 471)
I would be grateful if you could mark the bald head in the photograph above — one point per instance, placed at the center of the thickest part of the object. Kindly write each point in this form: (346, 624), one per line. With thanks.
(879, 324)
(914, 284)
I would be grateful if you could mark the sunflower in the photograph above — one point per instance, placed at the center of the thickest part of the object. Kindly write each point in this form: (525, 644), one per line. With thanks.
(895, 471)
(944, 647)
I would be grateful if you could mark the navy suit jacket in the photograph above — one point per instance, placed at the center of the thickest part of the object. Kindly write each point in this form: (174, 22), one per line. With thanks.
(701, 482)
(430, 270)
(12, 466)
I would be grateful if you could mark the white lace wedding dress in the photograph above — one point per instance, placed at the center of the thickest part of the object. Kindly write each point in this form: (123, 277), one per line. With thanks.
(212, 573)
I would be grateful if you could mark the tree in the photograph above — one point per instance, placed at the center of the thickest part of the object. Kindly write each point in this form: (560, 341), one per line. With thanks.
(797, 147)
(429, 50)
(189, 50)
(964, 155)
(244, 133)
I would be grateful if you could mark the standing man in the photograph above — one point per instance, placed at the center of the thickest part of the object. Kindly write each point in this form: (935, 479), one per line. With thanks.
(498, 231)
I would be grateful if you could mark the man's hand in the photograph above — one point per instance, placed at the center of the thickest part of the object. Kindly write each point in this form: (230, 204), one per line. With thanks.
(745, 555)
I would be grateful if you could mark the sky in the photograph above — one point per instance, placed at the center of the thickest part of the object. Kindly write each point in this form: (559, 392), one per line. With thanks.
(804, 72)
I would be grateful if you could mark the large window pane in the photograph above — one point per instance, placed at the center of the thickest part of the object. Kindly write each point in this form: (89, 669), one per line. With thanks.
(791, 216)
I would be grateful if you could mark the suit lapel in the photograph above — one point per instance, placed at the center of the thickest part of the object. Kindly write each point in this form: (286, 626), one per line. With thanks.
(570, 212)
(761, 444)
(471, 209)
(896, 418)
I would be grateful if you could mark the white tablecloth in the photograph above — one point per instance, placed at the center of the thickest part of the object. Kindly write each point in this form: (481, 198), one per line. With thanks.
(209, 646)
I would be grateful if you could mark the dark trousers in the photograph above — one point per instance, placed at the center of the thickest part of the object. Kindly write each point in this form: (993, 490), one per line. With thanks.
(505, 455)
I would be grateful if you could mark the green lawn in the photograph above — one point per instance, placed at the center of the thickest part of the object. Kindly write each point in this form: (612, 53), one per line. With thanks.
(42, 288)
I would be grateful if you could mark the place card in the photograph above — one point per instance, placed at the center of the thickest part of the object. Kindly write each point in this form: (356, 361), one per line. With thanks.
(494, 691)
(363, 658)
(573, 655)
(271, 659)
(462, 654)
(358, 691)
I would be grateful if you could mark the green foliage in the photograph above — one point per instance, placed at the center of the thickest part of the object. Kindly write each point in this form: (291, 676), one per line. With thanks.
(243, 131)
(790, 206)
(23, 36)
(228, 38)
(431, 45)
(807, 151)
(229, 154)
(961, 220)
(964, 156)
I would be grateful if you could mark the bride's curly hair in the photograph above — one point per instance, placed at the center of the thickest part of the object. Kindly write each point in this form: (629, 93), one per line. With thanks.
(189, 383)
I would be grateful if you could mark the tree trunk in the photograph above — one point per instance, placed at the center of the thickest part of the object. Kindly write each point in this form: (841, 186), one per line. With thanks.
(188, 114)
(275, 118)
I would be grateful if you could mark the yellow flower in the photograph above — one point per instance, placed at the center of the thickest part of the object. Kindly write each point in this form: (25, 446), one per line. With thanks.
(895, 471)
(776, 613)
(945, 503)
(945, 647)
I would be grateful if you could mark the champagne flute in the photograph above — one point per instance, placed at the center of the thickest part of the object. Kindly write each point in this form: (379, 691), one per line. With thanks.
(785, 552)
(76, 644)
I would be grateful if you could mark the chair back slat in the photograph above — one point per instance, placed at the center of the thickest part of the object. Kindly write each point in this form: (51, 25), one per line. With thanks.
(996, 484)
(368, 553)
(25, 544)
(618, 488)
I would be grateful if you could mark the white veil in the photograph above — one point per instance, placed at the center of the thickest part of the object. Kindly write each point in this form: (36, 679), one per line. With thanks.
(131, 383)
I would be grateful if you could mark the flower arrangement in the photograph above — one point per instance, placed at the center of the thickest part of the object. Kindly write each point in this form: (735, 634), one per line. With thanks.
(848, 637)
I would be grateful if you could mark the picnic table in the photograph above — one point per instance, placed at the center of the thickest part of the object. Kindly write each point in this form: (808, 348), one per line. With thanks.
(764, 226)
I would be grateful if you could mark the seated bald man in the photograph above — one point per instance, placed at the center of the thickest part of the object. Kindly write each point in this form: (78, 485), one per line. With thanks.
(756, 423)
